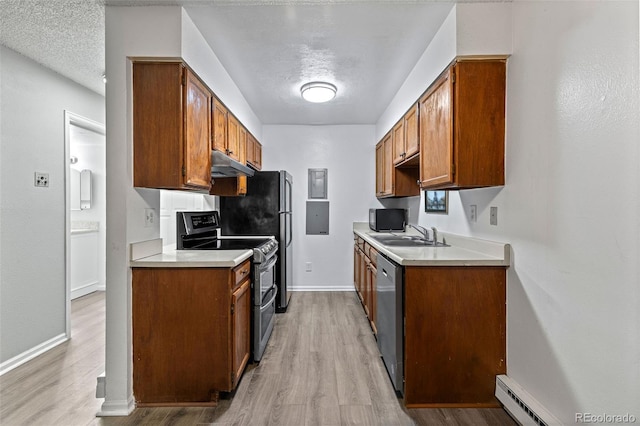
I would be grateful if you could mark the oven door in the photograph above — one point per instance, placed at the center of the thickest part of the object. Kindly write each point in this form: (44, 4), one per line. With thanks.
(265, 280)
(265, 293)
(264, 318)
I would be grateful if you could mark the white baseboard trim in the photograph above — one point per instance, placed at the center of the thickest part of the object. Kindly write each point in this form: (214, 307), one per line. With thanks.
(25, 356)
(84, 290)
(117, 408)
(323, 288)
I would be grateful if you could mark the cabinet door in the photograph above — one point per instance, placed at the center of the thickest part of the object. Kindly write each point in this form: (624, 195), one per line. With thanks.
(233, 136)
(411, 136)
(258, 155)
(242, 145)
(379, 169)
(399, 151)
(436, 134)
(219, 126)
(197, 161)
(251, 149)
(240, 333)
(388, 166)
(373, 297)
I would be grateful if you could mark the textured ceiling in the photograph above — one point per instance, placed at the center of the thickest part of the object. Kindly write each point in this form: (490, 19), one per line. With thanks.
(270, 48)
(66, 36)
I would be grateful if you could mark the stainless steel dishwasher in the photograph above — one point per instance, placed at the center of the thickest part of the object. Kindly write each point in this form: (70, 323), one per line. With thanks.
(390, 319)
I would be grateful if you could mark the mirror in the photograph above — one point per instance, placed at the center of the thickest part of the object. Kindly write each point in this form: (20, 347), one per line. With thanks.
(80, 195)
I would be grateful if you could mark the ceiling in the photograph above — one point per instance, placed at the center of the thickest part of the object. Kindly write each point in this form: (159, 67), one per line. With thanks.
(270, 48)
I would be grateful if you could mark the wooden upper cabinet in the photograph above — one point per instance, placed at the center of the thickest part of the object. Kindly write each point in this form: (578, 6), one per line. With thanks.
(242, 145)
(462, 126)
(379, 169)
(406, 141)
(171, 127)
(257, 155)
(254, 152)
(397, 135)
(393, 181)
(436, 165)
(233, 138)
(197, 132)
(219, 130)
(411, 135)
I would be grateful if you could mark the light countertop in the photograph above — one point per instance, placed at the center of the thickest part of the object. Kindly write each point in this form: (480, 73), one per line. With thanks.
(151, 254)
(463, 251)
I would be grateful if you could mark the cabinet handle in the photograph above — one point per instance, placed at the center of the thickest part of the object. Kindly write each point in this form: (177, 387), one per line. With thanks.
(419, 182)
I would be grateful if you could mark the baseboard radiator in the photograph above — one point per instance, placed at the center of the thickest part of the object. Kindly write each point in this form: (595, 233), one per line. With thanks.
(522, 406)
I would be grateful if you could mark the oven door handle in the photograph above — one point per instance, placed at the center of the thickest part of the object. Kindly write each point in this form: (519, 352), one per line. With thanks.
(266, 305)
(272, 262)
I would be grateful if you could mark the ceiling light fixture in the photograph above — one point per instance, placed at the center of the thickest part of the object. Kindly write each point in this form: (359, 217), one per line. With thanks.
(318, 91)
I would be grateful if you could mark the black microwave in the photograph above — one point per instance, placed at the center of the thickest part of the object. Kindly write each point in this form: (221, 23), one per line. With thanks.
(387, 219)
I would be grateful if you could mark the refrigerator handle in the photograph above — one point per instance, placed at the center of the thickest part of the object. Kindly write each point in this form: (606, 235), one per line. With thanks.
(290, 230)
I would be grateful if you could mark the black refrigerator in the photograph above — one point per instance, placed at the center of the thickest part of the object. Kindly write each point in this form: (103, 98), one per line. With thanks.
(265, 210)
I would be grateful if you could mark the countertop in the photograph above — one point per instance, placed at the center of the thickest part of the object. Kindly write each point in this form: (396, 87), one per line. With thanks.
(463, 251)
(151, 254)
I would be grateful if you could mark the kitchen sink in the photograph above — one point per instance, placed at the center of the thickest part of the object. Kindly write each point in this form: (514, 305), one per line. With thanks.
(406, 241)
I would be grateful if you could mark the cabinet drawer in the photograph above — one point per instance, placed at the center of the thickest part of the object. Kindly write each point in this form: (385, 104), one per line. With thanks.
(241, 272)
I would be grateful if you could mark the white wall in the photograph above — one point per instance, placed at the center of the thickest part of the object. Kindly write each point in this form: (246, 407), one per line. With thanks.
(32, 220)
(570, 207)
(139, 32)
(348, 152)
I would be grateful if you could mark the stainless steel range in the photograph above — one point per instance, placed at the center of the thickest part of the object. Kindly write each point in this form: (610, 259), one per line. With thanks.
(200, 231)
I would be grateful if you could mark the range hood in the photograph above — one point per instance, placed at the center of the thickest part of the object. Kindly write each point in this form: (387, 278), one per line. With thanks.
(224, 166)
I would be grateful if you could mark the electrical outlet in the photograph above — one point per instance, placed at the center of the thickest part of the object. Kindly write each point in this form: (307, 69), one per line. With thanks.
(307, 266)
(493, 216)
(473, 213)
(149, 217)
(41, 179)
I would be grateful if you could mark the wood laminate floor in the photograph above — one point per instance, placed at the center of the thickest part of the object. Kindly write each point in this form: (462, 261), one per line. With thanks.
(321, 367)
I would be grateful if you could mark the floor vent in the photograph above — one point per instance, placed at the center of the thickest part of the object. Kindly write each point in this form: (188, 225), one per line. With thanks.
(522, 406)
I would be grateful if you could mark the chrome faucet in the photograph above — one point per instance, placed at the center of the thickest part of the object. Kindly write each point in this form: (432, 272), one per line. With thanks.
(422, 230)
(425, 233)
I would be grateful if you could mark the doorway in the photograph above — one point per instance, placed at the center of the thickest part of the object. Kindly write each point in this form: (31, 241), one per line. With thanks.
(85, 208)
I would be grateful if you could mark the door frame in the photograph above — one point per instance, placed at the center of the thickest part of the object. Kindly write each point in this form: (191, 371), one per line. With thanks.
(72, 119)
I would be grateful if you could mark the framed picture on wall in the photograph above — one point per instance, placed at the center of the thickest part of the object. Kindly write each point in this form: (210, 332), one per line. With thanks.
(436, 202)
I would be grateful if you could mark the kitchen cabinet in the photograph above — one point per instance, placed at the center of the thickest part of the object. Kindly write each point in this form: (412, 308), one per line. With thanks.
(364, 268)
(229, 135)
(229, 186)
(171, 127)
(219, 126)
(254, 152)
(406, 141)
(462, 125)
(191, 333)
(455, 335)
(393, 181)
(236, 139)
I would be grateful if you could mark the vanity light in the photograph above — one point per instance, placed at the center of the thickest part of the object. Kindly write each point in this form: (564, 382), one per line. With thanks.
(318, 91)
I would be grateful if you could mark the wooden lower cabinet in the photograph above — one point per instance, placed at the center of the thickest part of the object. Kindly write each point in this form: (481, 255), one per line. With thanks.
(191, 333)
(455, 335)
(364, 267)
